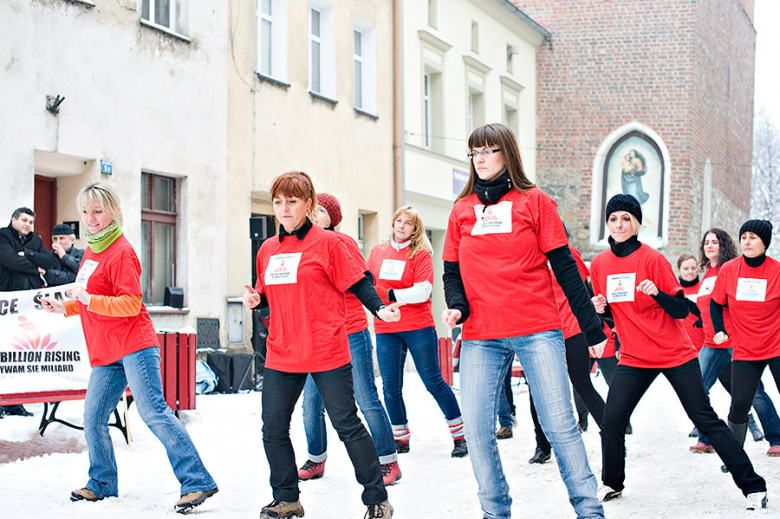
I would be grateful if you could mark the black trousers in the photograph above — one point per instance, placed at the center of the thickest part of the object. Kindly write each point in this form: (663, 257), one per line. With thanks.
(578, 365)
(280, 393)
(630, 384)
(745, 377)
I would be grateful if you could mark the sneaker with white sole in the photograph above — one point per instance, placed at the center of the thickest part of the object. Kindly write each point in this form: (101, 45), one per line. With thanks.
(756, 501)
(311, 470)
(607, 493)
(84, 494)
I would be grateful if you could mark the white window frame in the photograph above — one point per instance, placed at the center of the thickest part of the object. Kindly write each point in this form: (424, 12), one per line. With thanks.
(278, 21)
(427, 112)
(177, 17)
(327, 43)
(368, 60)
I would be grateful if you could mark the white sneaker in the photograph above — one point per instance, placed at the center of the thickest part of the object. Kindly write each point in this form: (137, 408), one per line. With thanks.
(756, 501)
(607, 493)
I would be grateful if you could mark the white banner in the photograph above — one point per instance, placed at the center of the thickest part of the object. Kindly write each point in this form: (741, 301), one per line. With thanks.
(40, 351)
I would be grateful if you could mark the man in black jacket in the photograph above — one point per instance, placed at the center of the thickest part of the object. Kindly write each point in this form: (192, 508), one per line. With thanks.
(23, 261)
(66, 258)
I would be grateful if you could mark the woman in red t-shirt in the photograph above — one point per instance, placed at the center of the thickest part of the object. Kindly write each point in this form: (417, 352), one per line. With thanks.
(717, 248)
(749, 286)
(123, 350)
(501, 234)
(403, 271)
(648, 307)
(302, 275)
(688, 276)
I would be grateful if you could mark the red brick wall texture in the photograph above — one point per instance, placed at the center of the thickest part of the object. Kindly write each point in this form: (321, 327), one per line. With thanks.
(683, 68)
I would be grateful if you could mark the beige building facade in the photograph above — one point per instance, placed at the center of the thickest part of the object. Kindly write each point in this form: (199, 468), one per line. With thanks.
(465, 63)
(310, 89)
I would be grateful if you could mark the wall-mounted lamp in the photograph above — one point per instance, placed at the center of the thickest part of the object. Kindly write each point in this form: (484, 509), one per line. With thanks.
(53, 104)
(511, 50)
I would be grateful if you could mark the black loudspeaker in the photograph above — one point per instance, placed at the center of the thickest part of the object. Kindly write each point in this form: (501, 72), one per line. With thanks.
(233, 369)
(174, 297)
(261, 227)
(220, 363)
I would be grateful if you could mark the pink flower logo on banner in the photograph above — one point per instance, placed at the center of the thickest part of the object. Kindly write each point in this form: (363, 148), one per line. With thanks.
(32, 339)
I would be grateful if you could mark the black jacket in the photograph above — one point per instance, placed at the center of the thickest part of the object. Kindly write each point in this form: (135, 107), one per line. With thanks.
(21, 272)
(64, 269)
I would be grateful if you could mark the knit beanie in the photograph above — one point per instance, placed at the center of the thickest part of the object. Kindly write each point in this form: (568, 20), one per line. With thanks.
(625, 203)
(332, 206)
(761, 228)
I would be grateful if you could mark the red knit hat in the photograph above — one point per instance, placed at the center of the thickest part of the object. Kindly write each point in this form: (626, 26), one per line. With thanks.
(332, 206)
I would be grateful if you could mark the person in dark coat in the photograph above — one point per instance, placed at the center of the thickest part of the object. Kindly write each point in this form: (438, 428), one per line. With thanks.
(65, 256)
(23, 261)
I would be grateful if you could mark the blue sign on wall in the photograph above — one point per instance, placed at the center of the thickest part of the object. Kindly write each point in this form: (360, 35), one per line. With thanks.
(105, 167)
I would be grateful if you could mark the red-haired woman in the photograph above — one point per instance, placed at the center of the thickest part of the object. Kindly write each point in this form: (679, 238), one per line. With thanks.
(403, 271)
(302, 276)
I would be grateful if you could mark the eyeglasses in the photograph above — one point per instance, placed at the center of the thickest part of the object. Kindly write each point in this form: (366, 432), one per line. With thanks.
(484, 153)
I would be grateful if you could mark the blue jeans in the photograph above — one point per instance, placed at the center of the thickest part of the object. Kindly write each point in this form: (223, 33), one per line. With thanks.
(712, 362)
(543, 356)
(364, 385)
(424, 346)
(141, 371)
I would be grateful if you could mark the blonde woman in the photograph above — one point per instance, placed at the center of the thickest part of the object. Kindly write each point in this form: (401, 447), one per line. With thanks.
(403, 271)
(123, 350)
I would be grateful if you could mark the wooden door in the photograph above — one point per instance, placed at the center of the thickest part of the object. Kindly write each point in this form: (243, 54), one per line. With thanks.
(45, 208)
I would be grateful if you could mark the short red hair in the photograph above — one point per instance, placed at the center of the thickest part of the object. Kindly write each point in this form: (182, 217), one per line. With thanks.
(294, 184)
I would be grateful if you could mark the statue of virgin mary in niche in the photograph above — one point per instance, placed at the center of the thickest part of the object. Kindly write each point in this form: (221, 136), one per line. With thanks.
(634, 167)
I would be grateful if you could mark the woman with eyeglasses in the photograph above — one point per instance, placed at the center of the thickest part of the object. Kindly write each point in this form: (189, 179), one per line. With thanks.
(648, 307)
(749, 286)
(502, 232)
(715, 250)
(302, 275)
(403, 271)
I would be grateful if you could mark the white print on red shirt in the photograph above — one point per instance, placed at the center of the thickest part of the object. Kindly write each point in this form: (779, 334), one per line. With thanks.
(621, 288)
(495, 219)
(707, 285)
(751, 289)
(392, 269)
(282, 269)
(87, 269)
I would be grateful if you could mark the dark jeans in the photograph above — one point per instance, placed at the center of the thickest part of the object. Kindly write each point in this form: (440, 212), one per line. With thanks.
(578, 365)
(280, 393)
(630, 384)
(745, 378)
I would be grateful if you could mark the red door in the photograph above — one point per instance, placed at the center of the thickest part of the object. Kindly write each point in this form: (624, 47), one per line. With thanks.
(45, 208)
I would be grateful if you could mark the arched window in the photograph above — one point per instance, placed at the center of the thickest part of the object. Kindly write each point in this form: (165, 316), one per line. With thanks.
(634, 161)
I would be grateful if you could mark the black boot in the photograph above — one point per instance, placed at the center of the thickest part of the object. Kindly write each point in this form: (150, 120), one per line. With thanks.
(460, 449)
(17, 410)
(739, 430)
(582, 424)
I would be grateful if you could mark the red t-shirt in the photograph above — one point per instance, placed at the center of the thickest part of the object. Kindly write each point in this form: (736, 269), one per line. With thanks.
(753, 297)
(356, 315)
(501, 250)
(114, 272)
(304, 281)
(394, 269)
(696, 334)
(569, 323)
(703, 303)
(649, 337)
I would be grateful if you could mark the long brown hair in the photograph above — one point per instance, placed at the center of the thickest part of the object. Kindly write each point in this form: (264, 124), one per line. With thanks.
(498, 136)
(727, 250)
(419, 237)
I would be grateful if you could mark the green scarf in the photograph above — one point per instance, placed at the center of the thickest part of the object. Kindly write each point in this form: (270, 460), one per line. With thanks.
(100, 241)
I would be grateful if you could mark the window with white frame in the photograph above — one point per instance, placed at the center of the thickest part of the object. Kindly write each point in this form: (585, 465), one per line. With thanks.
(364, 36)
(474, 36)
(168, 14)
(476, 110)
(432, 12)
(475, 98)
(427, 102)
(272, 39)
(322, 51)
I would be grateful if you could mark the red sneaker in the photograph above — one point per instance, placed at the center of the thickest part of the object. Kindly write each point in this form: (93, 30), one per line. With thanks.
(391, 473)
(773, 451)
(701, 448)
(311, 470)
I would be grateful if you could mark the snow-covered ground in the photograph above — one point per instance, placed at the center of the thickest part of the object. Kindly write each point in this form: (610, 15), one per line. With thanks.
(663, 478)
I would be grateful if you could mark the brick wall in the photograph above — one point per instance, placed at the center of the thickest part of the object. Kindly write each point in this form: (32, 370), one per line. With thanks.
(682, 68)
